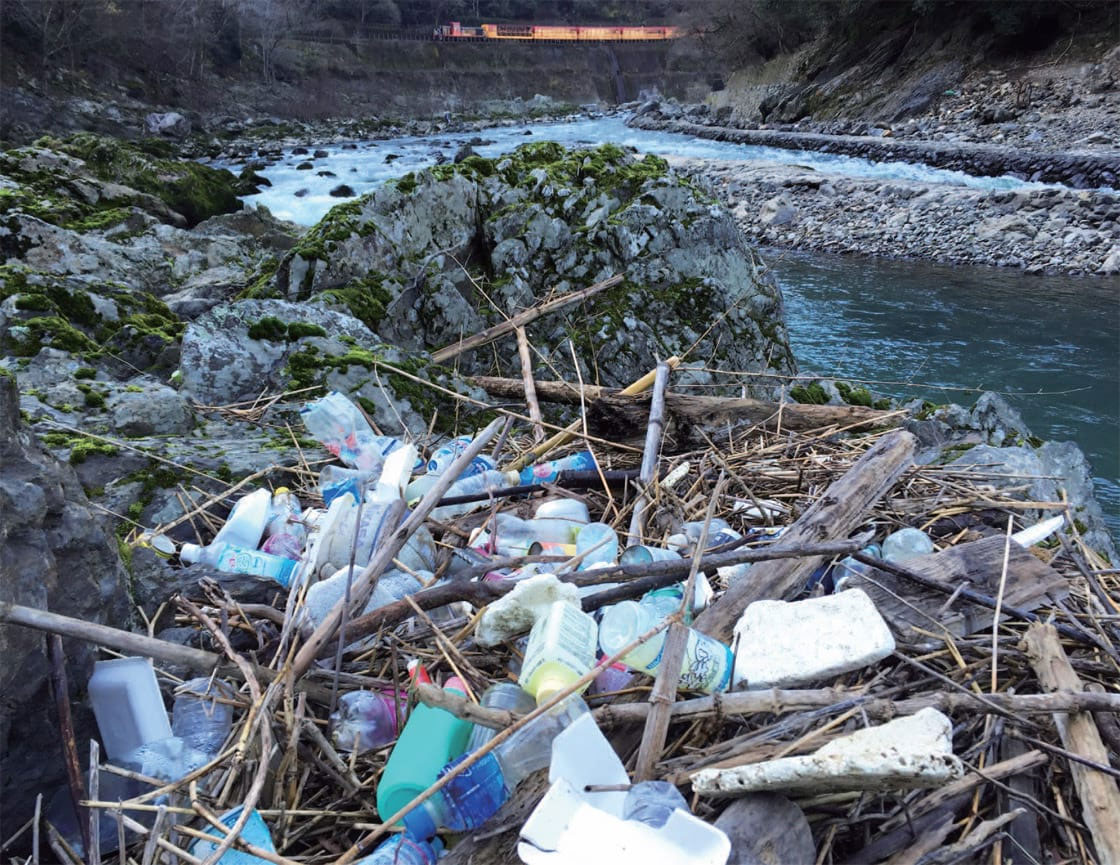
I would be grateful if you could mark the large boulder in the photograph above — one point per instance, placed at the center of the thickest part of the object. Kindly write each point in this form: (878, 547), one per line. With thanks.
(57, 554)
(455, 249)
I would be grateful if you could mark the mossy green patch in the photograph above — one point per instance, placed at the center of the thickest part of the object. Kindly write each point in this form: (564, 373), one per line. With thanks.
(812, 394)
(273, 329)
(366, 298)
(81, 447)
(854, 396)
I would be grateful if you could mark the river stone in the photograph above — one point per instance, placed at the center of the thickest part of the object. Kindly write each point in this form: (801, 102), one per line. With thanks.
(172, 124)
(903, 754)
(776, 211)
(151, 409)
(56, 553)
(767, 829)
(441, 249)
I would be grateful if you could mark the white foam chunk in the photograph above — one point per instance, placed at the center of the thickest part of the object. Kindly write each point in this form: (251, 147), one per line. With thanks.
(906, 753)
(516, 612)
(784, 644)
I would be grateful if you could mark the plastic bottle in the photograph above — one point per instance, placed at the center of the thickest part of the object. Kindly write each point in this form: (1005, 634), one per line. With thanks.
(503, 695)
(474, 795)
(343, 430)
(200, 716)
(165, 759)
(246, 522)
(706, 665)
(254, 832)
(335, 481)
(283, 545)
(323, 595)
(401, 850)
(363, 721)
(512, 536)
(127, 704)
(561, 649)
(652, 803)
(285, 514)
(475, 484)
(642, 555)
(430, 738)
(602, 542)
(848, 567)
(231, 559)
(547, 472)
(442, 458)
(906, 544)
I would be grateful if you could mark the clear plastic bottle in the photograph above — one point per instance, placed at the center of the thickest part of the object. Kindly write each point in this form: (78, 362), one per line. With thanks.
(442, 458)
(401, 850)
(706, 665)
(363, 721)
(512, 536)
(602, 542)
(240, 560)
(246, 521)
(474, 795)
(344, 431)
(285, 517)
(284, 545)
(475, 484)
(561, 649)
(202, 715)
(652, 803)
(906, 544)
(503, 695)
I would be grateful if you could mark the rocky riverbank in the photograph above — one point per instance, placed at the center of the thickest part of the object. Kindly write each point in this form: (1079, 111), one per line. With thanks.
(1039, 230)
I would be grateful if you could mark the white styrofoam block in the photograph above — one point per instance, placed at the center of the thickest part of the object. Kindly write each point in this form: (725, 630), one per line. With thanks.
(906, 753)
(785, 644)
(516, 612)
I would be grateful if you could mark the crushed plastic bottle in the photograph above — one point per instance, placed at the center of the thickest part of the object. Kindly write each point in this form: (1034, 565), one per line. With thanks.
(342, 429)
(475, 795)
(365, 720)
(600, 542)
(561, 649)
(402, 850)
(706, 665)
(652, 803)
(254, 832)
(285, 533)
(503, 695)
(475, 484)
(201, 715)
(906, 544)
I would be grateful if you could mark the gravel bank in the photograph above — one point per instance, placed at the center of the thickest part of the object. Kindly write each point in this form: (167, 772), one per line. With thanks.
(1051, 230)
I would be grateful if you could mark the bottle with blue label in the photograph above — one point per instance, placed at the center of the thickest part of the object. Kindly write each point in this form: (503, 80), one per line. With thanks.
(231, 559)
(475, 794)
(548, 472)
(706, 665)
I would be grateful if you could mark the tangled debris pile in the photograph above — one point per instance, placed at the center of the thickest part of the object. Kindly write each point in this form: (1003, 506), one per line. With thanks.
(878, 661)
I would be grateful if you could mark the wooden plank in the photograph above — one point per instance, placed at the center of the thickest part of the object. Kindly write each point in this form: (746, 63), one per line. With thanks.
(1100, 797)
(836, 514)
(910, 608)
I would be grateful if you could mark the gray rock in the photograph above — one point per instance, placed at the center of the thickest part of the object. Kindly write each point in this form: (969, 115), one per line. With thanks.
(767, 829)
(153, 409)
(171, 124)
(56, 553)
(777, 211)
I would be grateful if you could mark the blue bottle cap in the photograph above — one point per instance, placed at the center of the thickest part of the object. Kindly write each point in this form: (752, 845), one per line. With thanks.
(419, 825)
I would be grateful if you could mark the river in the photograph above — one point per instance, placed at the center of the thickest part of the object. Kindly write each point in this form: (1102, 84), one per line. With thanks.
(1051, 344)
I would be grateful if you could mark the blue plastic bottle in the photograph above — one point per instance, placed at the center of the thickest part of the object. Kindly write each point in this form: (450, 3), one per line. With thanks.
(544, 473)
(401, 850)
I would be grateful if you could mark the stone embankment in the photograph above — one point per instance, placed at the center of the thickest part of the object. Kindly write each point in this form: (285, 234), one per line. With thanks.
(1080, 169)
(1051, 230)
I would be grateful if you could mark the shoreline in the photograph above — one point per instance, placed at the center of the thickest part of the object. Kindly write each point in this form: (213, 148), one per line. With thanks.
(1049, 230)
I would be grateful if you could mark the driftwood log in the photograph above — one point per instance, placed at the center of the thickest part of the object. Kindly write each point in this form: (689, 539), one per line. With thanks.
(689, 419)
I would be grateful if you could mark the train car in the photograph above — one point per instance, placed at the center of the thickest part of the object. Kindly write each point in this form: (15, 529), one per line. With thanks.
(555, 33)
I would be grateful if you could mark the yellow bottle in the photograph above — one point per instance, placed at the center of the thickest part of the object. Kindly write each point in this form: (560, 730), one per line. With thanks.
(561, 648)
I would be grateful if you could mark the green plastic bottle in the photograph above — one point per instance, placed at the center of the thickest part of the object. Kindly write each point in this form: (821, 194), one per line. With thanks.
(430, 738)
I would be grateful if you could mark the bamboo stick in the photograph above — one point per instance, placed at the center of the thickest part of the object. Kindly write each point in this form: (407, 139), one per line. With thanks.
(648, 471)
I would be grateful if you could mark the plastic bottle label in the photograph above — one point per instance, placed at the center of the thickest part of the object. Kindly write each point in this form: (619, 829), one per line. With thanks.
(568, 638)
(706, 666)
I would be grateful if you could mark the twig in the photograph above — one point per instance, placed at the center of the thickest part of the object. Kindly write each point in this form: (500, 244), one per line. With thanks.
(648, 471)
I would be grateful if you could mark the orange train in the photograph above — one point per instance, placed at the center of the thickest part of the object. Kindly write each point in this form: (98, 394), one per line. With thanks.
(554, 33)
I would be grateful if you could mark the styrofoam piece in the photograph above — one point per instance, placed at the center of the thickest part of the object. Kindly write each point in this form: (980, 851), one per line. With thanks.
(572, 826)
(906, 753)
(515, 613)
(786, 644)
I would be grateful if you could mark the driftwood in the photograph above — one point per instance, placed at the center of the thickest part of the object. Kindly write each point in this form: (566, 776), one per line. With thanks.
(522, 319)
(834, 515)
(1100, 797)
(689, 419)
(912, 608)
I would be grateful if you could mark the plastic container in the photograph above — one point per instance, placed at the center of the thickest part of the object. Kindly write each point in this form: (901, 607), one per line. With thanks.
(652, 803)
(165, 759)
(127, 704)
(547, 472)
(602, 542)
(363, 721)
(512, 536)
(283, 545)
(401, 850)
(475, 794)
(200, 716)
(430, 738)
(616, 677)
(255, 832)
(442, 458)
(706, 665)
(335, 481)
(503, 695)
(906, 544)
(642, 555)
(285, 515)
(561, 649)
(475, 484)
(232, 559)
